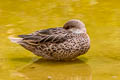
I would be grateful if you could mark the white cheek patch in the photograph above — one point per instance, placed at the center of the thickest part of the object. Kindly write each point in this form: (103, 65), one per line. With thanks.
(77, 31)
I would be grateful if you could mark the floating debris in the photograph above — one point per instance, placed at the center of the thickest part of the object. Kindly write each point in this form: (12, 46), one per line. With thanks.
(114, 76)
(49, 77)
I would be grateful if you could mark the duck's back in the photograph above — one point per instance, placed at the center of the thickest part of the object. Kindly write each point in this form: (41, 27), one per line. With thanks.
(51, 31)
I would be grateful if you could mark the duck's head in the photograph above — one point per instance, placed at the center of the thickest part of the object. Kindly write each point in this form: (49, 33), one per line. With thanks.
(75, 26)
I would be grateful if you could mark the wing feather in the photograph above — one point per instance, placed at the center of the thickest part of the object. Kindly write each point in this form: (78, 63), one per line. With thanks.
(51, 35)
(35, 40)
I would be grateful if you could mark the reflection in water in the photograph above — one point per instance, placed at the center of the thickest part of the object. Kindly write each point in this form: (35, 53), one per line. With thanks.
(54, 70)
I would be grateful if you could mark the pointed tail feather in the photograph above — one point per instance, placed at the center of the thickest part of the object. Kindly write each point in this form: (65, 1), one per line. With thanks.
(15, 40)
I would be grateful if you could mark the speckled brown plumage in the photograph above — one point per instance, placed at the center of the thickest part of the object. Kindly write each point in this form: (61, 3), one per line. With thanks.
(59, 43)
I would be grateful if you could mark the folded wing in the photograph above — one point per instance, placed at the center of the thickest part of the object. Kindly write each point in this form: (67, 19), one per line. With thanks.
(44, 36)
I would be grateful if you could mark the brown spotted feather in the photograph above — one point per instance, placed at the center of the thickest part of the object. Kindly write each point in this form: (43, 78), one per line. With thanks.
(58, 43)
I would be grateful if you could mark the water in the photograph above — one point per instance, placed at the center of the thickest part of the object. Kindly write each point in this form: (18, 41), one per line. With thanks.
(102, 20)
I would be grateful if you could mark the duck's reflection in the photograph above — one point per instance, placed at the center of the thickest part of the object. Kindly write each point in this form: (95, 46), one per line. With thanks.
(54, 70)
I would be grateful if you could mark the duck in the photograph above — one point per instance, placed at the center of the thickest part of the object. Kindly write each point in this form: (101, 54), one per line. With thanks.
(60, 43)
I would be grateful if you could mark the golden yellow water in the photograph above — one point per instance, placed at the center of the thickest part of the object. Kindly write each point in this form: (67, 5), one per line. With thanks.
(102, 19)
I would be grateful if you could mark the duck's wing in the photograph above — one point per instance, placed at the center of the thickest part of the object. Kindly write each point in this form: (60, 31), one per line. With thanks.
(52, 35)
(36, 40)
(50, 31)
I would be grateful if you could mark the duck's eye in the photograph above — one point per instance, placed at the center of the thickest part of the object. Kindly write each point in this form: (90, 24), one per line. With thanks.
(71, 26)
(68, 27)
(35, 42)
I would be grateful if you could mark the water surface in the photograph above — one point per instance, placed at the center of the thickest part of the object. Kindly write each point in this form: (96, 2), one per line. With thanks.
(102, 62)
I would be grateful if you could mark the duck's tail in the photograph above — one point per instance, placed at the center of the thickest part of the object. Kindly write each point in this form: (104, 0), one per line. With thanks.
(15, 40)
